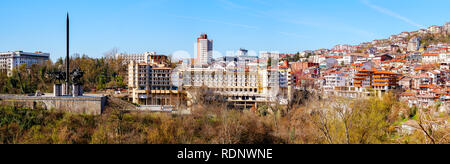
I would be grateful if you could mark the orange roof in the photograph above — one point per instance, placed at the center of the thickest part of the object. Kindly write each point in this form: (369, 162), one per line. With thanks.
(408, 94)
(385, 72)
(437, 91)
(381, 81)
(418, 68)
(365, 70)
(430, 54)
(362, 74)
(425, 86)
(383, 77)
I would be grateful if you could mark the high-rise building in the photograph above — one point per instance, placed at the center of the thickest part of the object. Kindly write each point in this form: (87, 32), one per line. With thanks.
(11, 60)
(204, 50)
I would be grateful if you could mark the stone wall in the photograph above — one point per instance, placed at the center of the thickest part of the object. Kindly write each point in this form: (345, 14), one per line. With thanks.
(79, 105)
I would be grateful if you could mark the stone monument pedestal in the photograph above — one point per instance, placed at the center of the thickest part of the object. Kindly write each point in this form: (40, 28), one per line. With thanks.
(77, 90)
(66, 92)
(57, 90)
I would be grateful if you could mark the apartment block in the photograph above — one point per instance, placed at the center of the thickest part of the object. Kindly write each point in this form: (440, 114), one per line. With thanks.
(376, 79)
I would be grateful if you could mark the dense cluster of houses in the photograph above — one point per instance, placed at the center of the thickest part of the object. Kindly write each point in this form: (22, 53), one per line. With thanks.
(404, 64)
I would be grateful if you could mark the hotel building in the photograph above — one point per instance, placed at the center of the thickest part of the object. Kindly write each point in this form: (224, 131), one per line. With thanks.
(150, 83)
(242, 87)
(11, 60)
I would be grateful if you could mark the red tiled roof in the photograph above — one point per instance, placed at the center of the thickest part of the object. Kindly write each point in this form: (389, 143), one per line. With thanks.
(408, 94)
(430, 54)
(385, 72)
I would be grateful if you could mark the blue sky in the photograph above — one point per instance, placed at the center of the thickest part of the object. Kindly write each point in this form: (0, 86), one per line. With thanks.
(166, 26)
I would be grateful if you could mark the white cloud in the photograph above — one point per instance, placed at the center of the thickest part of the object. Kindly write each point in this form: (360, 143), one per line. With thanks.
(218, 22)
(391, 13)
(291, 34)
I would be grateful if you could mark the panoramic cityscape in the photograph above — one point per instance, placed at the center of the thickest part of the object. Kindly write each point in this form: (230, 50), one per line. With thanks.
(391, 90)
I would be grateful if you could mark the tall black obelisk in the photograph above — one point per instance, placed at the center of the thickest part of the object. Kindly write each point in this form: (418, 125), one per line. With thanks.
(67, 58)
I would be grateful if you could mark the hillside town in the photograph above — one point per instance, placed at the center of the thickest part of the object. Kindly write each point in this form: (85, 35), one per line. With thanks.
(413, 65)
(393, 90)
(409, 64)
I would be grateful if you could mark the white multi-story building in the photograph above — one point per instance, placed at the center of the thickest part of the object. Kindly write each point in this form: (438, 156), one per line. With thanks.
(264, 55)
(137, 58)
(430, 58)
(243, 87)
(204, 50)
(434, 29)
(145, 58)
(349, 59)
(11, 60)
(150, 84)
(334, 80)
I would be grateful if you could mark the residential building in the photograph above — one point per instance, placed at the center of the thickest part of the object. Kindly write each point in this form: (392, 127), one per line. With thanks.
(376, 79)
(363, 78)
(434, 29)
(447, 27)
(334, 80)
(11, 60)
(385, 80)
(430, 58)
(406, 83)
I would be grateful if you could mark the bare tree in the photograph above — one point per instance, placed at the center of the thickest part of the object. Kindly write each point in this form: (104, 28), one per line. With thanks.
(111, 53)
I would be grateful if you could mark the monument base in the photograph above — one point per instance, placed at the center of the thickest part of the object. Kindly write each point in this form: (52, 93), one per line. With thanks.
(57, 90)
(77, 90)
(93, 105)
(66, 91)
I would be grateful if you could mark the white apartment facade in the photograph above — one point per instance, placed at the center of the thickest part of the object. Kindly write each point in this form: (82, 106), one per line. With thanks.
(434, 29)
(244, 88)
(150, 84)
(430, 58)
(335, 80)
(138, 58)
(11, 60)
